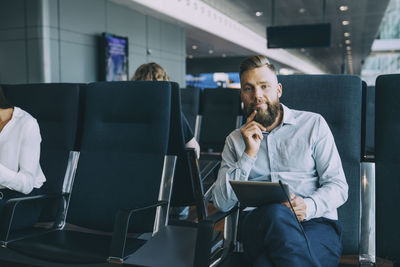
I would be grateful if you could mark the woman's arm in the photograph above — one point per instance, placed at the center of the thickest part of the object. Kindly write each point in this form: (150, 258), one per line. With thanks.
(24, 179)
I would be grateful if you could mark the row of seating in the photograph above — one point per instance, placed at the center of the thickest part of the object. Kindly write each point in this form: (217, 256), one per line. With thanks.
(98, 119)
(104, 156)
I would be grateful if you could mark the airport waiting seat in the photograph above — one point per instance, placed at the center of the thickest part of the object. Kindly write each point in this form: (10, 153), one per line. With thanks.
(187, 190)
(387, 162)
(221, 114)
(338, 99)
(190, 98)
(122, 152)
(181, 242)
(55, 107)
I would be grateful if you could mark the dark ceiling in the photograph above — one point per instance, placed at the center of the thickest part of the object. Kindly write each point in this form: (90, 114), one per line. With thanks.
(364, 18)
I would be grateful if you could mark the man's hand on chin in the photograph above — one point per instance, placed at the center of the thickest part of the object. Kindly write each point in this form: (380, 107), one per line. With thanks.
(299, 206)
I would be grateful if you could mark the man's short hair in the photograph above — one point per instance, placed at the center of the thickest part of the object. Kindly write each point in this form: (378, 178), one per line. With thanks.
(255, 62)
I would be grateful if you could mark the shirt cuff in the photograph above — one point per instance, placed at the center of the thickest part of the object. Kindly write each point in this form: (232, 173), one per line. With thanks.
(310, 208)
(246, 163)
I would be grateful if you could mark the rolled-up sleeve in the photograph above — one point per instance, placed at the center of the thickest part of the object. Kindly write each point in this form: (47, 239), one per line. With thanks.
(233, 167)
(333, 188)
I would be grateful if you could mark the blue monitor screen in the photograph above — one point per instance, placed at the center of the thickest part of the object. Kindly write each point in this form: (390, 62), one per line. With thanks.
(213, 80)
(116, 58)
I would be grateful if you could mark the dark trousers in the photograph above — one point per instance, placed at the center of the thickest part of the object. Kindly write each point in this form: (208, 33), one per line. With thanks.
(272, 237)
(26, 214)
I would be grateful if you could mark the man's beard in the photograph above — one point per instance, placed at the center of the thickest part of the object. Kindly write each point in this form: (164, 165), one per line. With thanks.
(265, 117)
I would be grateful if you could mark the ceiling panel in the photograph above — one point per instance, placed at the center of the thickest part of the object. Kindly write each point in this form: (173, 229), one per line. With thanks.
(364, 16)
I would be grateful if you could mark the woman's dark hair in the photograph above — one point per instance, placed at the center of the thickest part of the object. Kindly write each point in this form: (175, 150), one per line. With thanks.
(3, 100)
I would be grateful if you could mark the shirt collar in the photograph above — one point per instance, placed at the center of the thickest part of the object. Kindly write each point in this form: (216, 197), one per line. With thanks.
(17, 112)
(288, 117)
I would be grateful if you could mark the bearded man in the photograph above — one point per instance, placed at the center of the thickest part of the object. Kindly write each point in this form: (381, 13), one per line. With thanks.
(296, 147)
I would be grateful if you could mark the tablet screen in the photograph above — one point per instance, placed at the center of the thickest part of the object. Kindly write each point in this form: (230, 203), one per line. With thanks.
(255, 193)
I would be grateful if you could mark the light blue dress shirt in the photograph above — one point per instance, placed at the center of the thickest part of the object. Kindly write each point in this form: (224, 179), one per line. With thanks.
(301, 152)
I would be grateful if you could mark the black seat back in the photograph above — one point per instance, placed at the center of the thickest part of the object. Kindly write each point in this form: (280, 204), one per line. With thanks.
(219, 109)
(184, 192)
(124, 140)
(55, 107)
(190, 99)
(338, 99)
(387, 162)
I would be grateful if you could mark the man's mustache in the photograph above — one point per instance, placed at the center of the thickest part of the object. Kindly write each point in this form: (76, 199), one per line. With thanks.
(252, 105)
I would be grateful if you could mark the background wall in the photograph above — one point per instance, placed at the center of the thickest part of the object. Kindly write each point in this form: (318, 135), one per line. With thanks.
(57, 40)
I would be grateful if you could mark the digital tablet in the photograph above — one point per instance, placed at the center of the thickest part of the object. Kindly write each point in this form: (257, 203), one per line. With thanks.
(255, 193)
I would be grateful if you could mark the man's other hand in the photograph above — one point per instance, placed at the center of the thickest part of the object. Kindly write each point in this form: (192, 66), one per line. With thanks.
(252, 135)
(299, 206)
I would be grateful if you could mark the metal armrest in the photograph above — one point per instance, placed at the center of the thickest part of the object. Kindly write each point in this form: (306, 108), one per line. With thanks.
(17, 200)
(213, 218)
(11, 205)
(121, 224)
(208, 168)
(219, 216)
(367, 253)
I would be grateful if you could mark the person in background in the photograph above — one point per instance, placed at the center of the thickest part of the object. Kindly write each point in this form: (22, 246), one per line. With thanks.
(154, 72)
(20, 171)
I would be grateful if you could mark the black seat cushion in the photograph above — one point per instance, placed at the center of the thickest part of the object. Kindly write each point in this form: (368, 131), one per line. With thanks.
(71, 247)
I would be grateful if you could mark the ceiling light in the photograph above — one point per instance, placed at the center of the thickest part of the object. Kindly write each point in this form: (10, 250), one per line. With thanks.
(346, 34)
(258, 13)
(223, 55)
(194, 47)
(348, 47)
(302, 10)
(210, 51)
(343, 8)
(345, 22)
(190, 56)
(347, 42)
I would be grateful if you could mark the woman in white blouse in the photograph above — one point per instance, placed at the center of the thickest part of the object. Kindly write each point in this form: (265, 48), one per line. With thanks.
(20, 172)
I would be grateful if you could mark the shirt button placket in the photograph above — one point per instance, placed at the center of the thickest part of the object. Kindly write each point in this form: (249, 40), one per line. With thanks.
(269, 146)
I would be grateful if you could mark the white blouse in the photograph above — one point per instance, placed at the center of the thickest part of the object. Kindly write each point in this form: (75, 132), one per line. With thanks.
(20, 153)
